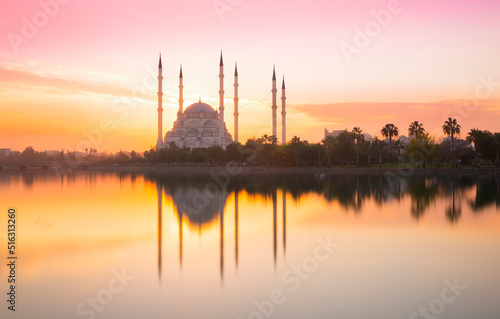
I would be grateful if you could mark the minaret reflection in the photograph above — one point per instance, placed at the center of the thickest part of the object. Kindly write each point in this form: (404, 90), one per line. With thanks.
(181, 235)
(283, 194)
(236, 229)
(275, 204)
(221, 222)
(159, 190)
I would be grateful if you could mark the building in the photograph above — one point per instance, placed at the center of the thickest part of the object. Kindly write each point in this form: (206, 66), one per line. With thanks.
(4, 152)
(336, 133)
(405, 139)
(200, 125)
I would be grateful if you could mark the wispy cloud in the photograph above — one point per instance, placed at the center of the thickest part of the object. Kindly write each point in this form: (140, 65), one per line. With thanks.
(16, 78)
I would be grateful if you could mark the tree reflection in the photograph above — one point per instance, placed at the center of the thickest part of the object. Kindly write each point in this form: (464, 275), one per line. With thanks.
(488, 192)
(454, 211)
(350, 191)
(423, 191)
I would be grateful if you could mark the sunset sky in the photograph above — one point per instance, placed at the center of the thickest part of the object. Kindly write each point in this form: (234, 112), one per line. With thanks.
(66, 66)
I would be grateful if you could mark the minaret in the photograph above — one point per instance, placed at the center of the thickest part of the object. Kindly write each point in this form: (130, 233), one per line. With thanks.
(236, 99)
(283, 113)
(159, 142)
(221, 88)
(181, 95)
(274, 107)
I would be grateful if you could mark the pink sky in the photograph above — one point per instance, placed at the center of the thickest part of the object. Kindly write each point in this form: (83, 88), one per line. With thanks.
(90, 55)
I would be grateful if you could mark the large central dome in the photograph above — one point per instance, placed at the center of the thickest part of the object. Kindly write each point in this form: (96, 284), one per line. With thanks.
(199, 107)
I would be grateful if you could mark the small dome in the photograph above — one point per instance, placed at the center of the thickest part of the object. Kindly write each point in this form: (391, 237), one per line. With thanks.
(199, 107)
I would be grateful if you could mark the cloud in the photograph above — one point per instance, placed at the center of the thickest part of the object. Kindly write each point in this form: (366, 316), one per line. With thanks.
(18, 78)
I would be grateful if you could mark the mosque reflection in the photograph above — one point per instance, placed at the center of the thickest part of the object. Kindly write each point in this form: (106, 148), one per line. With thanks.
(202, 202)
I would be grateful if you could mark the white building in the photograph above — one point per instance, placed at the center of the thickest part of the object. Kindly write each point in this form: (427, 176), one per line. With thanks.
(200, 125)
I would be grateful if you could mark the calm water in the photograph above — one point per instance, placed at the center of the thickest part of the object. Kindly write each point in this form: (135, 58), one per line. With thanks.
(109, 245)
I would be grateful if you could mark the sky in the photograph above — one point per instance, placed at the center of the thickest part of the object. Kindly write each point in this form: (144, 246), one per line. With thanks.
(75, 73)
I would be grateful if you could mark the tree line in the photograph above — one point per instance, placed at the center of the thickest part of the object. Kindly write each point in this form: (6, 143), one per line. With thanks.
(347, 149)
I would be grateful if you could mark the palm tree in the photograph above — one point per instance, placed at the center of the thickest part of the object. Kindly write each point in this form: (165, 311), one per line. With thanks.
(473, 137)
(389, 131)
(273, 139)
(358, 137)
(416, 129)
(450, 128)
(295, 139)
(264, 139)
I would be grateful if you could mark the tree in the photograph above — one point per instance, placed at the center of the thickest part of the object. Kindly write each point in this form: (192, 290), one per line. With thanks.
(377, 146)
(215, 154)
(399, 145)
(450, 128)
(296, 149)
(497, 146)
(416, 129)
(358, 137)
(484, 142)
(295, 139)
(422, 149)
(133, 156)
(389, 131)
(273, 139)
(472, 137)
(234, 152)
(344, 146)
(61, 155)
(28, 154)
(329, 144)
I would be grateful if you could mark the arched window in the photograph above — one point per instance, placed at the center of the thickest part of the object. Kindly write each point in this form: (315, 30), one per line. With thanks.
(192, 133)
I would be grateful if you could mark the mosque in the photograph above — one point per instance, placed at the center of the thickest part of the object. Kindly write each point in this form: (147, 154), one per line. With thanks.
(200, 125)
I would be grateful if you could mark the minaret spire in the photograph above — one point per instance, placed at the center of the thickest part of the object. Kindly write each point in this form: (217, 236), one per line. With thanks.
(274, 106)
(221, 98)
(159, 141)
(181, 94)
(236, 99)
(283, 113)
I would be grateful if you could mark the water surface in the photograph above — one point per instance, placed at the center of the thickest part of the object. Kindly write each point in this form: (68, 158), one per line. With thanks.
(305, 246)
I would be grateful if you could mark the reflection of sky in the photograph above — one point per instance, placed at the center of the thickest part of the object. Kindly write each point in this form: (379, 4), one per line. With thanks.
(73, 232)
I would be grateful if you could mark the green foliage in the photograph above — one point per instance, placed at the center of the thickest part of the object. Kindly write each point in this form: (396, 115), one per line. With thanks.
(422, 149)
